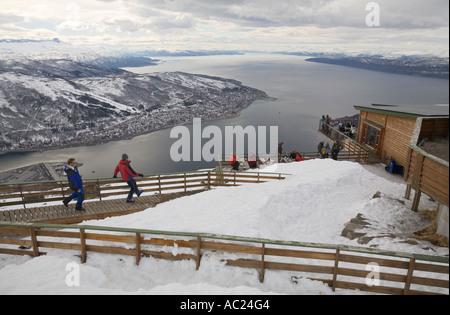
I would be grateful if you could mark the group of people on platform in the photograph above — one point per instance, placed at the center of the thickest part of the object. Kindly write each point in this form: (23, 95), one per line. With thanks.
(325, 150)
(288, 157)
(348, 129)
(76, 183)
(252, 161)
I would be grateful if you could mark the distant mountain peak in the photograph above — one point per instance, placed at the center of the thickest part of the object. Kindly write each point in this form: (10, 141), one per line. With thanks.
(55, 40)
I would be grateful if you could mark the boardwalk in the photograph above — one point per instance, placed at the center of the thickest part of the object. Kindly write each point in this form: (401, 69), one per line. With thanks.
(95, 210)
(42, 201)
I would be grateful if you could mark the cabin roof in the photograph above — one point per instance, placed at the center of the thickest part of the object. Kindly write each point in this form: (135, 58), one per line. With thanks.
(408, 111)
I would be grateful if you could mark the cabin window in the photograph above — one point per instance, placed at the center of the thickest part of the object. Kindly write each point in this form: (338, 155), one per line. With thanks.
(371, 134)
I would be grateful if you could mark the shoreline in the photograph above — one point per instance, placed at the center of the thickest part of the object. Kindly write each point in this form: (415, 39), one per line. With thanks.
(130, 137)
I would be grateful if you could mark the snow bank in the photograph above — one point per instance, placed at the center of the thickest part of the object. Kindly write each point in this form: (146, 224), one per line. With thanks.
(311, 205)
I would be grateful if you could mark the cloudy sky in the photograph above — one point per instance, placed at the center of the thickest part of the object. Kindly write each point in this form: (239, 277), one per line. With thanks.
(410, 26)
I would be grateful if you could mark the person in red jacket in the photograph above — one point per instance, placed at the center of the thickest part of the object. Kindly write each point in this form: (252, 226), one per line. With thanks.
(128, 174)
(234, 162)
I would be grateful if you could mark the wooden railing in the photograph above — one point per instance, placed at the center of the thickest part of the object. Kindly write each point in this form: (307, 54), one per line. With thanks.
(425, 172)
(24, 194)
(341, 267)
(359, 152)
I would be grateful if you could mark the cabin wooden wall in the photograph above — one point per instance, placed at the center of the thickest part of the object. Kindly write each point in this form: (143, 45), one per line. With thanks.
(428, 176)
(396, 135)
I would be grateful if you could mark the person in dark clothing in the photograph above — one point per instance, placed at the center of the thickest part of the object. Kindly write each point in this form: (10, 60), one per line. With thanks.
(320, 147)
(280, 148)
(75, 183)
(234, 162)
(252, 160)
(337, 147)
(128, 174)
(324, 151)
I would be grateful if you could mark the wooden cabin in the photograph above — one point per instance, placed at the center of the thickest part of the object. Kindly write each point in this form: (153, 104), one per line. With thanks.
(387, 129)
(417, 138)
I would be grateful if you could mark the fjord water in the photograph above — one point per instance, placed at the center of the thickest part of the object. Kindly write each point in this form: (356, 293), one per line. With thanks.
(302, 91)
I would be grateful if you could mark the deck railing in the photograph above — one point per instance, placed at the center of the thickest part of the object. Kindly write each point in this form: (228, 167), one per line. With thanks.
(341, 267)
(425, 172)
(358, 151)
(27, 194)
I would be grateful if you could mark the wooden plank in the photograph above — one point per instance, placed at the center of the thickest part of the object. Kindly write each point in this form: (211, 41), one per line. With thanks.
(168, 256)
(299, 254)
(14, 231)
(234, 248)
(280, 266)
(14, 241)
(431, 268)
(380, 261)
(430, 282)
(165, 242)
(17, 252)
(59, 245)
(111, 250)
(364, 287)
(358, 273)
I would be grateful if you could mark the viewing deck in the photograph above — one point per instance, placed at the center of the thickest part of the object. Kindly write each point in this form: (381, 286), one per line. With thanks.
(356, 151)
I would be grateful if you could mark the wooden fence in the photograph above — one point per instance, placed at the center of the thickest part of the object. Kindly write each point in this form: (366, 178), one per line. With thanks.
(341, 267)
(358, 152)
(425, 172)
(27, 194)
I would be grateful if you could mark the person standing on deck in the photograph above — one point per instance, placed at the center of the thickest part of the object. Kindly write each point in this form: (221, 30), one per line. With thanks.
(75, 183)
(128, 174)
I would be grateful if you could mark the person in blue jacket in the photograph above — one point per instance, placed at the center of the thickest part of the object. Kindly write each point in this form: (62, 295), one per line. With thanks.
(75, 183)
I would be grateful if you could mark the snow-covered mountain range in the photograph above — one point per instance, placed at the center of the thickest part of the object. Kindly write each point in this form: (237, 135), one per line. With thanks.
(49, 103)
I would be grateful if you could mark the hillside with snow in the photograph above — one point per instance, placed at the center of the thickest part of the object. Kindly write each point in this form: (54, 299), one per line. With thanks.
(57, 103)
(313, 204)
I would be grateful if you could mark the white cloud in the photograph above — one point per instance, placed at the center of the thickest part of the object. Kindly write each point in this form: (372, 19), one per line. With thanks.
(227, 24)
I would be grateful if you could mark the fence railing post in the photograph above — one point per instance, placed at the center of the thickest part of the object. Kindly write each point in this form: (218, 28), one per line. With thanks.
(138, 248)
(409, 276)
(159, 183)
(199, 252)
(263, 253)
(23, 198)
(99, 190)
(83, 246)
(335, 269)
(34, 241)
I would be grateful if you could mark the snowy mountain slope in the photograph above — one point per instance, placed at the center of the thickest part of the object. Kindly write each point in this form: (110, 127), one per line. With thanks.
(52, 103)
(56, 49)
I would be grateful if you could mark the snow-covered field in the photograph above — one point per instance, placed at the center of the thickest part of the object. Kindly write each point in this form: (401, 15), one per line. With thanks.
(311, 205)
